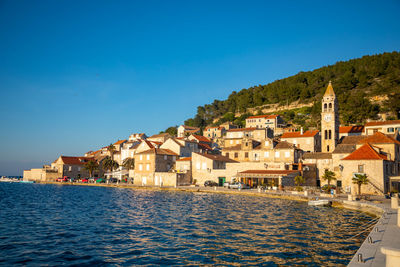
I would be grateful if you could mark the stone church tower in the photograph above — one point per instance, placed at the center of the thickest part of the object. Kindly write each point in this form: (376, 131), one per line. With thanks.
(329, 120)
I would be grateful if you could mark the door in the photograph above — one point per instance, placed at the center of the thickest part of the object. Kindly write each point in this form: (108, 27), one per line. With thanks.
(221, 181)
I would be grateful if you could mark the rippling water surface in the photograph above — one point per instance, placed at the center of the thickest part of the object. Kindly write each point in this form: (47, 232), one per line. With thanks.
(73, 225)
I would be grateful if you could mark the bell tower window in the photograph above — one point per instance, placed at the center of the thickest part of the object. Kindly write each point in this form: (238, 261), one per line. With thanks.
(327, 148)
(325, 106)
(330, 106)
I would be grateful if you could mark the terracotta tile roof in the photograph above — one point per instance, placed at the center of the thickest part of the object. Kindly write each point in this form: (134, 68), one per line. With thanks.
(184, 159)
(344, 148)
(284, 145)
(377, 123)
(276, 172)
(120, 142)
(158, 151)
(351, 139)
(351, 129)
(366, 152)
(201, 138)
(217, 157)
(204, 146)
(298, 134)
(273, 116)
(148, 143)
(190, 128)
(242, 129)
(75, 160)
(159, 135)
(379, 138)
(317, 155)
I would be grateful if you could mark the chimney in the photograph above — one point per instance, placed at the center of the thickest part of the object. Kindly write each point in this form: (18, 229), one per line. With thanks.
(301, 131)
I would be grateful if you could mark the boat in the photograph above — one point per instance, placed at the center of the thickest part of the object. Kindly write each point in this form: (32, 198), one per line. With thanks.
(27, 182)
(320, 202)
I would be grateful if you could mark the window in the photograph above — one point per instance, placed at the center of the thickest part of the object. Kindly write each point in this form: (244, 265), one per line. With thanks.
(140, 167)
(148, 157)
(327, 148)
(237, 141)
(330, 134)
(266, 154)
(70, 168)
(325, 107)
(326, 134)
(330, 106)
(287, 154)
(147, 167)
(266, 143)
(165, 157)
(277, 154)
(141, 157)
(231, 142)
(173, 158)
(79, 169)
(236, 154)
(246, 155)
(361, 168)
(204, 166)
(390, 130)
(227, 155)
(295, 141)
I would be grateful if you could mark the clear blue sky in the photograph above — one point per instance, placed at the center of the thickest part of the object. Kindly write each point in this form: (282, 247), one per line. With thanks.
(78, 75)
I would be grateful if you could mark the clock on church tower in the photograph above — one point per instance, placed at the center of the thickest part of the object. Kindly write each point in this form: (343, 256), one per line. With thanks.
(329, 120)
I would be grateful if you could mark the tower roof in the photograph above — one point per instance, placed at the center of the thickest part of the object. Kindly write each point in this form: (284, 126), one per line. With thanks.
(329, 90)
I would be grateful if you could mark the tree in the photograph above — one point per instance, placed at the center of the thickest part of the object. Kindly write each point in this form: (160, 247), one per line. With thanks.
(393, 104)
(129, 163)
(360, 179)
(110, 164)
(299, 180)
(111, 149)
(329, 176)
(91, 166)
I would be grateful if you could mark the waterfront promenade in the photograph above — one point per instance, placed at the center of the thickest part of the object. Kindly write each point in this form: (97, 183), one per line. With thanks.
(385, 233)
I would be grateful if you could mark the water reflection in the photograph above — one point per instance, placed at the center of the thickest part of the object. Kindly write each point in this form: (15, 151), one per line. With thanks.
(47, 224)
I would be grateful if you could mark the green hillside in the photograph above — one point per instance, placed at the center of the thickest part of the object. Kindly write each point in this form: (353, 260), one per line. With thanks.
(354, 81)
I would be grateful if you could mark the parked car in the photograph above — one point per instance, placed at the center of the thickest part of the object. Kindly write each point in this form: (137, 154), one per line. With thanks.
(210, 183)
(227, 184)
(113, 180)
(239, 186)
(63, 179)
(84, 180)
(99, 180)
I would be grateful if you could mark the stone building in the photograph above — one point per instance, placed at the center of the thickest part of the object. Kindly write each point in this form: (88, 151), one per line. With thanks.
(150, 162)
(309, 141)
(386, 127)
(329, 121)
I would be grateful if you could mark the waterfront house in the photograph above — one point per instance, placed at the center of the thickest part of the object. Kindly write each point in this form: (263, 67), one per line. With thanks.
(272, 122)
(161, 138)
(350, 130)
(209, 167)
(214, 132)
(386, 127)
(150, 162)
(137, 137)
(184, 130)
(181, 147)
(307, 141)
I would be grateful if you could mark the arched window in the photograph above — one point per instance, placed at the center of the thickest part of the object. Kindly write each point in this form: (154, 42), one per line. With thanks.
(327, 148)
(330, 134)
(325, 106)
(326, 134)
(330, 106)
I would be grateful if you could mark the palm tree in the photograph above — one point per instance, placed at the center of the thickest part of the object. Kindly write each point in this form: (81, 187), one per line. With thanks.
(129, 163)
(299, 180)
(91, 166)
(360, 179)
(329, 176)
(111, 149)
(110, 164)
